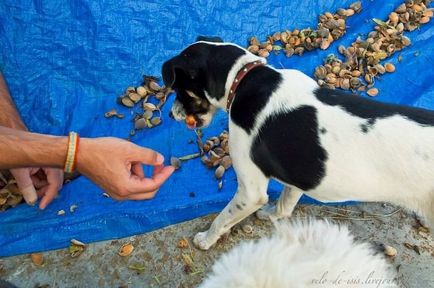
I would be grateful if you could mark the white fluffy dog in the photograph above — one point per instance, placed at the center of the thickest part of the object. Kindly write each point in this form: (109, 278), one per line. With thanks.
(309, 254)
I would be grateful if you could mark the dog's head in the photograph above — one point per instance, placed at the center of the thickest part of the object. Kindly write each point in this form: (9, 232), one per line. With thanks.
(198, 75)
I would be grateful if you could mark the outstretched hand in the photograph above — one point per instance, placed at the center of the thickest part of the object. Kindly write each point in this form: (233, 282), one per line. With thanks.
(116, 166)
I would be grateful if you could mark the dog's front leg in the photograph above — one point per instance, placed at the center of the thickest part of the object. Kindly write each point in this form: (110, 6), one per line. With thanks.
(251, 195)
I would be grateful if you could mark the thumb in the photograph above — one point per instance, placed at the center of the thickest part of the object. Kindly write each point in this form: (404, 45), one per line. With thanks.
(25, 184)
(148, 156)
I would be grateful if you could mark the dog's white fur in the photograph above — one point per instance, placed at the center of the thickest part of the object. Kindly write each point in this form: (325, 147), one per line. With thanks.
(302, 254)
(394, 162)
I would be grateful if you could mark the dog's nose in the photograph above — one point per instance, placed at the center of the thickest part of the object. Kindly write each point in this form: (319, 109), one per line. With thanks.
(171, 115)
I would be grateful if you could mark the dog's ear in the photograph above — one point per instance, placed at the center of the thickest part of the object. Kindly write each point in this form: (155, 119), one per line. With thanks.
(174, 66)
(215, 39)
(168, 72)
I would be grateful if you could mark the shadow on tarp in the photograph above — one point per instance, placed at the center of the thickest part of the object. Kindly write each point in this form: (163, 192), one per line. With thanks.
(67, 61)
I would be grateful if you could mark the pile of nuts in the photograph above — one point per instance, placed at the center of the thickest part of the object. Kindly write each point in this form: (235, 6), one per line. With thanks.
(216, 154)
(151, 115)
(362, 59)
(330, 28)
(10, 195)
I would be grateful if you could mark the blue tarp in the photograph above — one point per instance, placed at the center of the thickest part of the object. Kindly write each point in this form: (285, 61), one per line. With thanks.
(67, 61)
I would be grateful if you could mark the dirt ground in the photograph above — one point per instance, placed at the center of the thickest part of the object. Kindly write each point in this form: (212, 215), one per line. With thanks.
(157, 261)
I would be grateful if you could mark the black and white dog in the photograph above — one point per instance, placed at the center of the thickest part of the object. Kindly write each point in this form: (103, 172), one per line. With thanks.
(331, 145)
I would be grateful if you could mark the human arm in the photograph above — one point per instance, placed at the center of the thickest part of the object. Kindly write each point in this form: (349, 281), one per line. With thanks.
(113, 164)
(9, 116)
(34, 182)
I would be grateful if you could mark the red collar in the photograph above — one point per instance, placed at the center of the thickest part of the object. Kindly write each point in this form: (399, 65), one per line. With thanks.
(240, 75)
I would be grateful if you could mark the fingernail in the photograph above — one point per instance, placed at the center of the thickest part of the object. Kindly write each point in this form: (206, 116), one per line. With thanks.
(29, 195)
(160, 158)
(30, 203)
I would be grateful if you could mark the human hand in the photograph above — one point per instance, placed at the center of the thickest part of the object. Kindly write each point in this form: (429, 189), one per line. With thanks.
(38, 182)
(116, 166)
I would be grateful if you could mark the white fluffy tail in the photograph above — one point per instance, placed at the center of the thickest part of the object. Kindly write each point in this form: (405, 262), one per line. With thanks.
(303, 254)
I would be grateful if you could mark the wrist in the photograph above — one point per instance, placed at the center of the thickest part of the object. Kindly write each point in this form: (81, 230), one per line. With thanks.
(82, 154)
(55, 155)
(71, 152)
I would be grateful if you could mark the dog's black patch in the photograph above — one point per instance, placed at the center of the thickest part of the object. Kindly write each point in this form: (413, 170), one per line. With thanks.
(215, 39)
(239, 206)
(370, 109)
(368, 125)
(323, 130)
(252, 95)
(365, 127)
(287, 148)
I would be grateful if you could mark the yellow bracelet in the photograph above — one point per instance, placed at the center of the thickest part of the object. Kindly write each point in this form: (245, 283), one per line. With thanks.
(71, 154)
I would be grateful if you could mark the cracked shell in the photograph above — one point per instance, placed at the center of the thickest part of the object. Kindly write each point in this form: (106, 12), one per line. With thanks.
(134, 97)
(126, 250)
(37, 259)
(219, 172)
(156, 121)
(140, 123)
(149, 106)
(226, 162)
(372, 92)
(127, 102)
(142, 91)
(389, 67)
(154, 86)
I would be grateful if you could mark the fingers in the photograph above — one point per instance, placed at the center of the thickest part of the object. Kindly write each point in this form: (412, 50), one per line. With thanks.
(158, 169)
(25, 184)
(144, 188)
(38, 182)
(41, 192)
(151, 184)
(148, 156)
(50, 194)
(29, 194)
(142, 196)
(137, 170)
(55, 179)
(22, 176)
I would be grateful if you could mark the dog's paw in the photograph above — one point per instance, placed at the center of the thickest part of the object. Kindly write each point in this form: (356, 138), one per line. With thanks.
(267, 212)
(201, 241)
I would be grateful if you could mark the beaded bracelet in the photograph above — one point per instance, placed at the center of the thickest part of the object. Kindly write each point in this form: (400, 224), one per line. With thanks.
(71, 155)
